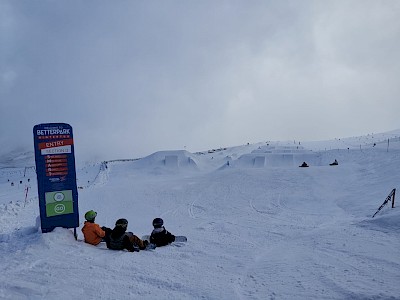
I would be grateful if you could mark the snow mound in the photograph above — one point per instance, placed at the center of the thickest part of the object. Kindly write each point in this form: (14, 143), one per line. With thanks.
(167, 161)
(386, 220)
(17, 159)
(257, 232)
(278, 156)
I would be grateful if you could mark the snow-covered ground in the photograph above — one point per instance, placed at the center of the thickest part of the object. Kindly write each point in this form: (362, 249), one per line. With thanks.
(258, 226)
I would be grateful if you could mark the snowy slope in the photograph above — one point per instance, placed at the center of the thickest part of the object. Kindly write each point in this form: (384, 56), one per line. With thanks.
(257, 228)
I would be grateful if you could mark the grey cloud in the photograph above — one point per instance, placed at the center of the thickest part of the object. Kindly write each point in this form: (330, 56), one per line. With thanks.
(136, 77)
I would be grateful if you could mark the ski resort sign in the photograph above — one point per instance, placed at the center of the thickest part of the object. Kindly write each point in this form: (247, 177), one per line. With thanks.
(56, 176)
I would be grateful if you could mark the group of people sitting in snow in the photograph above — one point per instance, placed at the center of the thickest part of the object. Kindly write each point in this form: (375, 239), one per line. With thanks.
(120, 239)
(305, 165)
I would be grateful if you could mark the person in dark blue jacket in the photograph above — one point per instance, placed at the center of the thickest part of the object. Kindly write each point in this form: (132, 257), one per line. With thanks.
(120, 239)
(160, 236)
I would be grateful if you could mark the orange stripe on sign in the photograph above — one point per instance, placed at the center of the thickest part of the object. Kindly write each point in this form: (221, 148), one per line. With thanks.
(56, 169)
(54, 144)
(56, 165)
(56, 156)
(56, 173)
(50, 161)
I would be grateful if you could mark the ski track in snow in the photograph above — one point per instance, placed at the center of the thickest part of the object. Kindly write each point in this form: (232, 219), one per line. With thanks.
(253, 233)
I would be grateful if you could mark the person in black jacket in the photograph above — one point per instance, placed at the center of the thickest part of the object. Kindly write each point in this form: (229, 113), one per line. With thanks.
(335, 163)
(119, 239)
(303, 165)
(160, 236)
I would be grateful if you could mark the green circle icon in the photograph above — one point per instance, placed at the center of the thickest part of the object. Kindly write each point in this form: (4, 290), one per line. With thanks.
(59, 208)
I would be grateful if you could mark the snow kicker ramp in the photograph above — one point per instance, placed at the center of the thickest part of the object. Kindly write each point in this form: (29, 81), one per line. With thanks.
(167, 161)
(279, 157)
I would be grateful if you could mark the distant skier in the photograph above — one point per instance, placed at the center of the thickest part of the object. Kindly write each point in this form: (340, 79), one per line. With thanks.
(92, 232)
(120, 239)
(335, 163)
(304, 165)
(160, 236)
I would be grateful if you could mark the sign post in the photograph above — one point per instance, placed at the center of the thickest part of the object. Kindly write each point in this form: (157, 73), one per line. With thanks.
(56, 176)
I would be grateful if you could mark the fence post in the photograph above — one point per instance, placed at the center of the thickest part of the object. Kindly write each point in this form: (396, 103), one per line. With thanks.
(388, 198)
(394, 193)
(26, 194)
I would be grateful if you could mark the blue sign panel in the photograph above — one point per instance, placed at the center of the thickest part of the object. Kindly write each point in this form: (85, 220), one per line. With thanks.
(56, 176)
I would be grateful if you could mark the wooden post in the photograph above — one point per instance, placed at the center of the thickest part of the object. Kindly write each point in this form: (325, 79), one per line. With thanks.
(394, 193)
(26, 194)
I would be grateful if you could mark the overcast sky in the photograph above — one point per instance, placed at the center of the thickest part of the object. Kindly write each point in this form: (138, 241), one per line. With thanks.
(135, 77)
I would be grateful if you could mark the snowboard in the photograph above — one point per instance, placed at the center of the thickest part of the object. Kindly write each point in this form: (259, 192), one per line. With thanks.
(178, 238)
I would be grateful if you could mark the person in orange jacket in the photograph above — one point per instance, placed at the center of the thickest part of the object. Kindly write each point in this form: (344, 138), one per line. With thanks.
(92, 232)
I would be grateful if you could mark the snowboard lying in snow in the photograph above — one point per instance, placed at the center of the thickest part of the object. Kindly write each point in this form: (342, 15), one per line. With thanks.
(178, 238)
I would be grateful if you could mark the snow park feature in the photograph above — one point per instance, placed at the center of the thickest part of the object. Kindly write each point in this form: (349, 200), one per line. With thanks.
(258, 228)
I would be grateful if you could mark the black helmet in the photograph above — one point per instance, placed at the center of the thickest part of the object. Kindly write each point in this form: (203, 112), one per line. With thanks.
(121, 222)
(158, 222)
